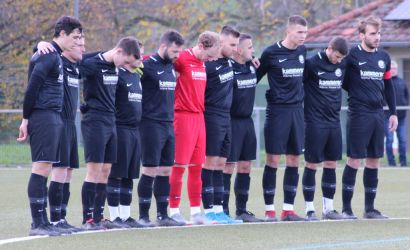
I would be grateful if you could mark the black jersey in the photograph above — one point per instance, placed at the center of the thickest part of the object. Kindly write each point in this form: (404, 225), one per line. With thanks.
(219, 85)
(243, 89)
(285, 74)
(71, 87)
(364, 79)
(128, 99)
(158, 87)
(100, 83)
(45, 83)
(323, 94)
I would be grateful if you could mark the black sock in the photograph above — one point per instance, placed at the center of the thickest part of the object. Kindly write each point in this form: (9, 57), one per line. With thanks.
(145, 195)
(55, 198)
(348, 181)
(99, 202)
(113, 192)
(218, 182)
(207, 188)
(45, 217)
(227, 191)
(64, 202)
(370, 182)
(161, 193)
(36, 195)
(269, 184)
(329, 183)
(241, 187)
(87, 199)
(309, 184)
(126, 191)
(290, 184)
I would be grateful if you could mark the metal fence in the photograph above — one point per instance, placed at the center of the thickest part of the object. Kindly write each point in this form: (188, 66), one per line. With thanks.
(16, 154)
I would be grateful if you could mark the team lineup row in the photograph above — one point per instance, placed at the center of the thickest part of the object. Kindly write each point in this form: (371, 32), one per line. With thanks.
(191, 109)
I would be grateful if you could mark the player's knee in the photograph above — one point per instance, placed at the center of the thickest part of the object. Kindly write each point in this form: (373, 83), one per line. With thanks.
(329, 164)
(59, 174)
(41, 168)
(292, 160)
(272, 160)
(229, 168)
(150, 171)
(372, 162)
(164, 171)
(311, 165)
(244, 167)
(354, 163)
(69, 175)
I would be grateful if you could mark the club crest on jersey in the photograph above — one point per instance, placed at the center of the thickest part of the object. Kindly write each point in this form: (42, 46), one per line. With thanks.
(252, 69)
(381, 64)
(338, 72)
(301, 59)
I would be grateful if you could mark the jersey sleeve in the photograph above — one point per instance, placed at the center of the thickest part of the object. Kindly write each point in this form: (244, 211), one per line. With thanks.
(36, 80)
(86, 67)
(264, 65)
(346, 79)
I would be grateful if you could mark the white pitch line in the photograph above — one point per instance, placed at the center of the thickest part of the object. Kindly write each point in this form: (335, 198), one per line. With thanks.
(27, 238)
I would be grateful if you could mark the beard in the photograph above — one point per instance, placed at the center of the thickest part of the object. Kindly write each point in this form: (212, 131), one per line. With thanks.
(167, 58)
(371, 45)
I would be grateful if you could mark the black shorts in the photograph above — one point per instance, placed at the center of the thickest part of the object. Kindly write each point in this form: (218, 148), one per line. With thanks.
(284, 130)
(69, 146)
(322, 144)
(158, 140)
(100, 137)
(218, 134)
(243, 146)
(365, 135)
(128, 154)
(45, 128)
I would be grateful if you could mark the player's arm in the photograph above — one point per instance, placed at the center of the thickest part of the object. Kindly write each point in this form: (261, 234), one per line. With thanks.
(264, 65)
(406, 92)
(346, 78)
(390, 98)
(36, 80)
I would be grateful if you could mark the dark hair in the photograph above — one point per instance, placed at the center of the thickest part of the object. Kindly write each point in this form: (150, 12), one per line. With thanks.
(296, 19)
(130, 46)
(371, 20)
(68, 24)
(209, 39)
(172, 36)
(339, 44)
(244, 36)
(229, 30)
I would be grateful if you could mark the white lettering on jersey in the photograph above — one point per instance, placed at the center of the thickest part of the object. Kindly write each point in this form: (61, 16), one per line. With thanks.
(73, 82)
(372, 75)
(110, 79)
(163, 85)
(226, 77)
(197, 75)
(249, 83)
(330, 84)
(293, 72)
(134, 97)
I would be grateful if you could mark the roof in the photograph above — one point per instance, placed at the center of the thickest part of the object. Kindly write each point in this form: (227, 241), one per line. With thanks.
(395, 33)
(401, 12)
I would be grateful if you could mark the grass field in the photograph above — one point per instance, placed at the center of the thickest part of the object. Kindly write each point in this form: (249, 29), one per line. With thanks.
(392, 199)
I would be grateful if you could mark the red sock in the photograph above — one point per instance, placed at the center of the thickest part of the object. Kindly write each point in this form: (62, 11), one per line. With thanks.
(194, 185)
(175, 183)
